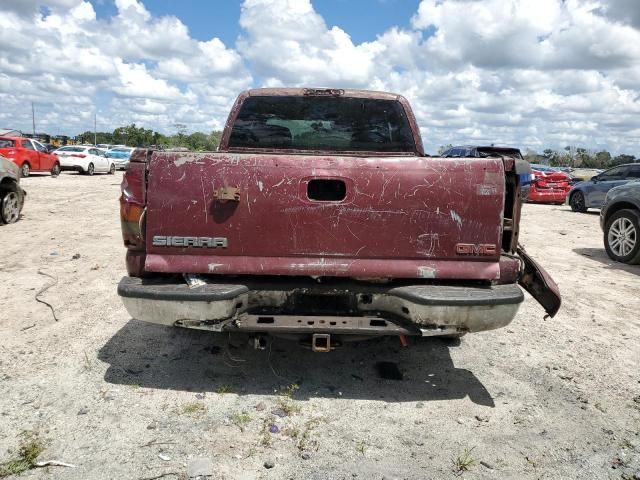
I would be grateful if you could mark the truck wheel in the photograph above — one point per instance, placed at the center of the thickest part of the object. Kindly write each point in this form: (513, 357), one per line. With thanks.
(112, 169)
(55, 171)
(25, 170)
(577, 202)
(90, 169)
(10, 204)
(622, 236)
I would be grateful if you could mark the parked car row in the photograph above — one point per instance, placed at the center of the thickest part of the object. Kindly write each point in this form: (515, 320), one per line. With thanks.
(32, 156)
(615, 191)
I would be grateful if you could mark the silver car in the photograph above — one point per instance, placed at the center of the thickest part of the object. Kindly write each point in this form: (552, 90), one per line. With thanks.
(120, 156)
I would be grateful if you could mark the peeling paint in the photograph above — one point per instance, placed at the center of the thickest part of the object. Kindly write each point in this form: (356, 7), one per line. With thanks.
(427, 243)
(184, 158)
(426, 272)
(486, 190)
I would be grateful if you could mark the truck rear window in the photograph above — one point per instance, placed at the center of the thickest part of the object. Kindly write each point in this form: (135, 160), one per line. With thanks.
(322, 123)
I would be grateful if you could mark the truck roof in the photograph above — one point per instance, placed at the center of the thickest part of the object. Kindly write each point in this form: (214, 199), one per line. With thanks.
(343, 92)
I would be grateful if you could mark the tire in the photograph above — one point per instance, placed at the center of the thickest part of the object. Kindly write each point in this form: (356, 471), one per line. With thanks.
(55, 171)
(577, 202)
(90, 169)
(622, 236)
(25, 170)
(10, 204)
(112, 169)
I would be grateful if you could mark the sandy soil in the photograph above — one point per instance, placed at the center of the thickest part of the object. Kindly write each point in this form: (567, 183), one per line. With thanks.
(540, 399)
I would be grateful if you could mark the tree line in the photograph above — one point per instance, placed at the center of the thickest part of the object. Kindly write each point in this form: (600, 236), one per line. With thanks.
(581, 158)
(571, 156)
(134, 136)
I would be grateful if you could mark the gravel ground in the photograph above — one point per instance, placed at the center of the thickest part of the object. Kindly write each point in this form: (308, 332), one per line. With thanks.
(123, 399)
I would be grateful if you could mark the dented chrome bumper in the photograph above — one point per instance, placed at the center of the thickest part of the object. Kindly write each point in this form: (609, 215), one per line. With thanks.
(342, 307)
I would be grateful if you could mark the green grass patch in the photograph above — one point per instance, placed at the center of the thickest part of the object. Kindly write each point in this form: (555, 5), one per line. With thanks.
(30, 448)
(464, 462)
(241, 420)
(192, 408)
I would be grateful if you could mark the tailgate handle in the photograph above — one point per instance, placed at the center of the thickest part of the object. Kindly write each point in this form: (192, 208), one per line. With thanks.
(227, 194)
(326, 190)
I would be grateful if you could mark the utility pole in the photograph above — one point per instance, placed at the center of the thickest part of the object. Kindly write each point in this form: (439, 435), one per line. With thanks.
(33, 120)
(95, 133)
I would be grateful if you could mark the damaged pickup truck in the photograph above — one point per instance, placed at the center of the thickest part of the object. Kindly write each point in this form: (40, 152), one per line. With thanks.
(321, 219)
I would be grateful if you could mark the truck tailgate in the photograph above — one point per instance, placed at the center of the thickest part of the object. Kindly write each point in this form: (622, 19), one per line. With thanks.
(411, 217)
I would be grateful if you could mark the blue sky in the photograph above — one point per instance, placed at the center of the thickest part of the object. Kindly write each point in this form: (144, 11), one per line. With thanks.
(362, 19)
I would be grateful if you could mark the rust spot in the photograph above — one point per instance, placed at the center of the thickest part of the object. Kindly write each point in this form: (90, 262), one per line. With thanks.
(226, 194)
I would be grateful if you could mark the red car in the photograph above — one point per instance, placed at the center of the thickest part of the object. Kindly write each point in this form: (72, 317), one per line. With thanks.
(29, 155)
(549, 186)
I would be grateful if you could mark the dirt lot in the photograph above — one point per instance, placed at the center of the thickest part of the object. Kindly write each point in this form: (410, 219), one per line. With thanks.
(123, 399)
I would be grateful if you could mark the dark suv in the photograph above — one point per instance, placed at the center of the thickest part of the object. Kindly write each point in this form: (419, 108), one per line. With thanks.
(480, 151)
(620, 221)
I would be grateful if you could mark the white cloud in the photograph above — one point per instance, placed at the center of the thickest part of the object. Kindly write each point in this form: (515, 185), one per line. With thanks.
(135, 81)
(150, 65)
(287, 42)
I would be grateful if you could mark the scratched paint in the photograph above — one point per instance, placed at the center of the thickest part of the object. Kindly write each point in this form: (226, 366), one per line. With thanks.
(428, 244)
(388, 206)
(426, 272)
(456, 218)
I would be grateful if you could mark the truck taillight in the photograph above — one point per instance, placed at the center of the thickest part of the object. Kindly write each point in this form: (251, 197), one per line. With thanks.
(132, 206)
(131, 219)
(518, 178)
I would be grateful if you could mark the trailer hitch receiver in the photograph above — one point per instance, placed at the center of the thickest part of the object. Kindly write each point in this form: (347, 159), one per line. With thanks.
(321, 342)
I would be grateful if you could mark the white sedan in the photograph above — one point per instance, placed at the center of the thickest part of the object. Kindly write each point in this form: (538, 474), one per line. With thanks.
(82, 159)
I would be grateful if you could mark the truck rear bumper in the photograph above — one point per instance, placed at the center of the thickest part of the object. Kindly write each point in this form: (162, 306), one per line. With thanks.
(301, 306)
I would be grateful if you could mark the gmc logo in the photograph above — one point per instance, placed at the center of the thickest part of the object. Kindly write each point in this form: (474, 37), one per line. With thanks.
(476, 250)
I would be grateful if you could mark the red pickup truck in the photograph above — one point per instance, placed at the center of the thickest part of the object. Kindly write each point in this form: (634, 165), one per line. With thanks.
(320, 218)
